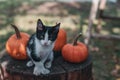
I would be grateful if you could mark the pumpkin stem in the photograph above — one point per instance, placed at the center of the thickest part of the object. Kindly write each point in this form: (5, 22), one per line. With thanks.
(75, 40)
(17, 31)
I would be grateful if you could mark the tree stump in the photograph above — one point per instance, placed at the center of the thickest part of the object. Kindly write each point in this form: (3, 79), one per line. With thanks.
(60, 70)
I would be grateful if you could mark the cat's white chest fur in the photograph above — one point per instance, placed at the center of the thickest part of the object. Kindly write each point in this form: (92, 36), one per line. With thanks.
(41, 50)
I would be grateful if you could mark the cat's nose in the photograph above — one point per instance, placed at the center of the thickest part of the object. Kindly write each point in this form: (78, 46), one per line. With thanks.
(45, 43)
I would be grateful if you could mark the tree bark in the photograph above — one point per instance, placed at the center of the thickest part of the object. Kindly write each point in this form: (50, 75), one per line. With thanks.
(112, 37)
(92, 16)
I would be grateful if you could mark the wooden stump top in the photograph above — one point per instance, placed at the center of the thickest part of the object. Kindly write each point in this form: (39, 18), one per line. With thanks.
(60, 70)
(59, 66)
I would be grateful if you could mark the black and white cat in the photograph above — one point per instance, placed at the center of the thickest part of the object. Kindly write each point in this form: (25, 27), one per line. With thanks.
(40, 47)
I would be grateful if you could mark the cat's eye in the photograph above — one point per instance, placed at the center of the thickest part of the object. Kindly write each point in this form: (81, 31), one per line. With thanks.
(41, 36)
(50, 37)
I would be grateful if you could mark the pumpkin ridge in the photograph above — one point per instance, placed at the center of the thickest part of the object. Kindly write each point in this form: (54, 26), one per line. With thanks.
(76, 52)
(16, 46)
(60, 41)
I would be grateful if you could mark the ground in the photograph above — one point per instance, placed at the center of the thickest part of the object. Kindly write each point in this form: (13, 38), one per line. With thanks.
(74, 19)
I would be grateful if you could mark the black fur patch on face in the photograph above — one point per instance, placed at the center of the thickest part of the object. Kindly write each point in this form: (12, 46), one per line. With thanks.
(42, 29)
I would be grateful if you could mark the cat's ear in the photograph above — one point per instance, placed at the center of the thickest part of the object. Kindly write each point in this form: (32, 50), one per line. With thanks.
(40, 25)
(57, 26)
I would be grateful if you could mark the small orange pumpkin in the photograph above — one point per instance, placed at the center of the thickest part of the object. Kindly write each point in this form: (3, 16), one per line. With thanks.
(75, 53)
(16, 44)
(60, 41)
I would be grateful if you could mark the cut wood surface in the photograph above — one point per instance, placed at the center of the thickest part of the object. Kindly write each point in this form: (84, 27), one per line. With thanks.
(61, 70)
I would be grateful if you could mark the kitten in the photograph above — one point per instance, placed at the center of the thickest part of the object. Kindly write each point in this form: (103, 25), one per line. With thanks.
(40, 47)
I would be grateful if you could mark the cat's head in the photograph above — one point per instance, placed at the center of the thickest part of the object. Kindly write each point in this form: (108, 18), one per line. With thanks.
(46, 34)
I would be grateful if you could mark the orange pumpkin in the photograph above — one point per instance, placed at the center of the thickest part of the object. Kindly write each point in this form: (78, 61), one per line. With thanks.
(60, 41)
(75, 53)
(16, 44)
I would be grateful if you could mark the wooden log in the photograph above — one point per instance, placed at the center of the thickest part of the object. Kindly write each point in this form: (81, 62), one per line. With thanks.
(92, 17)
(61, 70)
(112, 37)
(101, 8)
(101, 11)
(101, 15)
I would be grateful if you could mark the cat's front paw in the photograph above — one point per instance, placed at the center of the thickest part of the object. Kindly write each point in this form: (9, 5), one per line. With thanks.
(38, 71)
(45, 71)
(29, 64)
(48, 65)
